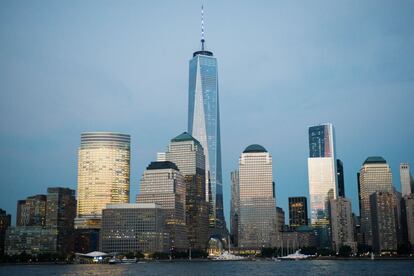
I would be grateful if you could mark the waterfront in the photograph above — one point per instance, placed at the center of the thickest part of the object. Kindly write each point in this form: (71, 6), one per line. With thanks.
(313, 267)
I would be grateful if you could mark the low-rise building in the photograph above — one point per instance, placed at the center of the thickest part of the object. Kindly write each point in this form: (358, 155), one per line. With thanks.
(32, 240)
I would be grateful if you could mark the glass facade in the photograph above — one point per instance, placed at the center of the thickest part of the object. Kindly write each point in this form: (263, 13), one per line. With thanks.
(322, 179)
(204, 125)
(298, 211)
(234, 207)
(103, 175)
(257, 219)
(340, 176)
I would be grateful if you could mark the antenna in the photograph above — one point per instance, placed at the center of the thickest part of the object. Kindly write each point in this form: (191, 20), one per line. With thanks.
(202, 28)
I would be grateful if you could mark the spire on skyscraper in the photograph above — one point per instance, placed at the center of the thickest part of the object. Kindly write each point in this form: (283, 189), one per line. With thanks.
(202, 28)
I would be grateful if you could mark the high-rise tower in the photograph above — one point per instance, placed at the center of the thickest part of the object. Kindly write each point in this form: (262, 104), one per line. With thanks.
(322, 178)
(204, 123)
(103, 175)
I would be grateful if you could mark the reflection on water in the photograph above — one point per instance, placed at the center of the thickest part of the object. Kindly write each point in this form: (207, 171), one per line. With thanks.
(258, 268)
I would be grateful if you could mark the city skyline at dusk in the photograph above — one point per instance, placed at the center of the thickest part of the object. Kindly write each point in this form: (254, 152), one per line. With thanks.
(81, 67)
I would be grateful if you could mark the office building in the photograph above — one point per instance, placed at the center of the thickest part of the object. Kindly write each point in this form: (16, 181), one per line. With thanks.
(384, 222)
(60, 214)
(32, 240)
(257, 219)
(374, 176)
(103, 175)
(204, 125)
(406, 180)
(322, 179)
(234, 207)
(408, 218)
(31, 211)
(340, 177)
(298, 212)
(280, 219)
(342, 224)
(163, 184)
(132, 227)
(5, 221)
(188, 155)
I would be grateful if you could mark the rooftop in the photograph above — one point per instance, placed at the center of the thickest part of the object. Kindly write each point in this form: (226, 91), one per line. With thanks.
(185, 136)
(160, 165)
(375, 160)
(254, 148)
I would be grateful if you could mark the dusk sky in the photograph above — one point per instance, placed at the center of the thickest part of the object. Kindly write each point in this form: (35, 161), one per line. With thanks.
(68, 67)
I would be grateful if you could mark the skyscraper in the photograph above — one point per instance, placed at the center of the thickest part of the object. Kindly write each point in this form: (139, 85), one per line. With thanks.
(406, 180)
(60, 214)
(384, 222)
(234, 207)
(204, 124)
(187, 153)
(5, 221)
(257, 219)
(340, 177)
(298, 211)
(342, 224)
(103, 175)
(322, 178)
(163, 184)
(374, 176)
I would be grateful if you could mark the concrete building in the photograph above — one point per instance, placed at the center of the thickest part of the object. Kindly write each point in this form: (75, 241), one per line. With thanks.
(234, 207)
(103, 175)
(409, 219)
(342, 224)
(374, 176)
(163, 184)
(5, 221)
(406, 180)
(188, 154)
(322, 179)
(132, 227)
(257, 220)
(384, 222)
(31, 211)
(31, 239)
(298, 212)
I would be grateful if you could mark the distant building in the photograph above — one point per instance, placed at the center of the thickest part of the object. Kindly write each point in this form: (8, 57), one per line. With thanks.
(234, 207)
(408, 211)
(5, 221)
(257, 220)
(342, 224)
(280, 217)
(103, 175)
(298, 212)
(374, 176)
(31, 240)
(322, 179)
(340, 177)
(86, 240)
(188, 154)
(132, 227)
(406, 180)
(31, 211)
(161, 156)
(163, 184)
(60, 214)
(384, 222)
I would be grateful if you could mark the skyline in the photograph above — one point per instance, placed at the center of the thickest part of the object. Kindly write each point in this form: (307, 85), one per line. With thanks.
(39, 140)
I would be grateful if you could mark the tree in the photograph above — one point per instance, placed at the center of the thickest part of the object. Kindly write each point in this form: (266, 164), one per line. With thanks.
(345, 251)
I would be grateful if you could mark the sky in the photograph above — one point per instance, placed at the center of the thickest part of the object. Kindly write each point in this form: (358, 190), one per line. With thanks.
(68, 67)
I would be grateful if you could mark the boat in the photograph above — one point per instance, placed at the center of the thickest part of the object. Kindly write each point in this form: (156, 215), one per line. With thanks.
(114, 260)
(226, 256)
(296, 256)
(125, 260)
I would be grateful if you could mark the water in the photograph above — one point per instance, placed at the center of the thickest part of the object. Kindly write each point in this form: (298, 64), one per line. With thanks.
(258, 268)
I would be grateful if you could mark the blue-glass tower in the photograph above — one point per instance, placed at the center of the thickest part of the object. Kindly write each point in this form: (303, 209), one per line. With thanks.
(204, 125)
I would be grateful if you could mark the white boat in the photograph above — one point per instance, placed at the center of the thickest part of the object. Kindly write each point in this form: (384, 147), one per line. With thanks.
(129, 261)
(226, 256)
(114, 260)
(295, 256)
